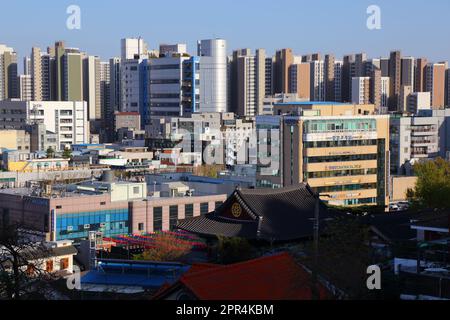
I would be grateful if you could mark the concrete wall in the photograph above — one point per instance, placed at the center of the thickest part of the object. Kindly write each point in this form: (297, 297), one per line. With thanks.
(400, 186)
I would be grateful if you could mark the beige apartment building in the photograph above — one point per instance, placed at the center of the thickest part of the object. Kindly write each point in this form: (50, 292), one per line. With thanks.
(340, 150)
(15, 140)
(435, 83)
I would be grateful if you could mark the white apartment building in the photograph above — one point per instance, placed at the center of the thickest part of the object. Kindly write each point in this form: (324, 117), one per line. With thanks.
(133, 48)
(419, 101)
(385, 91)
(360, 90)
(67, 119)
(25, 87)
(317, 80)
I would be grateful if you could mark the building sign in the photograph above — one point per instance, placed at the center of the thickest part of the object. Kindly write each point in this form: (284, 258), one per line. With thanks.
(350, 167)
(347, 136)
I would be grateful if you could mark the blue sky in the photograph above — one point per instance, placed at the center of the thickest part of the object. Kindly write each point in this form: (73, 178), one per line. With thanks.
(417, 27)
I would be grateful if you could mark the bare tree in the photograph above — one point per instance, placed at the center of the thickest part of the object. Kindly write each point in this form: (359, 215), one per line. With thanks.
(22, 265)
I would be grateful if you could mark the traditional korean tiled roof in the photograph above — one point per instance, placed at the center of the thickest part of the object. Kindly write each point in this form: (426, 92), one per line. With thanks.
(272, 215)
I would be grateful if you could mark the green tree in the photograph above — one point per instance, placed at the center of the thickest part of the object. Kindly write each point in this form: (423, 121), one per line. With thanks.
(233, 250)
(433, 184)
(67, 154)
(50, 153)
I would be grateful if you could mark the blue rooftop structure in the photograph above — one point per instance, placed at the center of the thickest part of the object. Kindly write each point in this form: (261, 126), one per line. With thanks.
(145, 275)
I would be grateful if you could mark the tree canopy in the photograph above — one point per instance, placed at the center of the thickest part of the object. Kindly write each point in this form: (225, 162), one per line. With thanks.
(433, 184)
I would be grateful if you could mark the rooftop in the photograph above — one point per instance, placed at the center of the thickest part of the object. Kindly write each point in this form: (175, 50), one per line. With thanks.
(273, 215)
(276, 277)
(308, 103)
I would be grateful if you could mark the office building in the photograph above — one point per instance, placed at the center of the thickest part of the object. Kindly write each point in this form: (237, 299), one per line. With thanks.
(173, 86)
(213, 75)
(68, 120)
(338, 149)
(133, 73)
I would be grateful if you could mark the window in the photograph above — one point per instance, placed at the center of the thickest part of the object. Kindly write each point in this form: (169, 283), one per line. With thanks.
(141, 227)
(173, 213)
(64, 263)
(49, 266)
(189, 210)
(204, 208)
(136, 190)
(157, 219)
(58, 207)
(31, 270)
(218, 204)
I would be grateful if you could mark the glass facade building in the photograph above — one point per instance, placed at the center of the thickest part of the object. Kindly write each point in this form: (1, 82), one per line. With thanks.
(76, 226)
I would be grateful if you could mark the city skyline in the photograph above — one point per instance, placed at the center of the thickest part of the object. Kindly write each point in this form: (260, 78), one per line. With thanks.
(245, 31)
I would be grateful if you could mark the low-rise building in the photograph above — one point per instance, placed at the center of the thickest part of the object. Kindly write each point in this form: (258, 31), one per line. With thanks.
(15, 140)
(414, 138)
(111, 207)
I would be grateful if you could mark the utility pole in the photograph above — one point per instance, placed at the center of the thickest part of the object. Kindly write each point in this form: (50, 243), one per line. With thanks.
(315, 289)
(316, 228)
